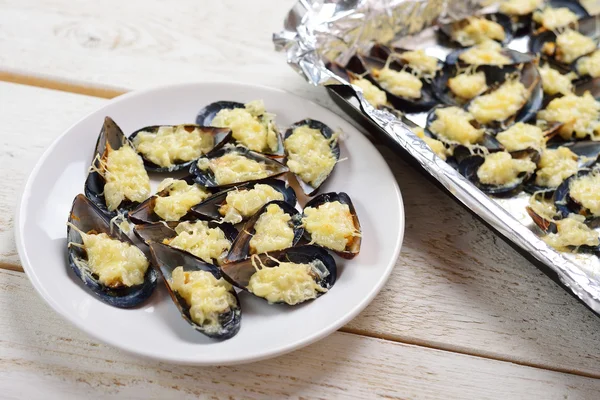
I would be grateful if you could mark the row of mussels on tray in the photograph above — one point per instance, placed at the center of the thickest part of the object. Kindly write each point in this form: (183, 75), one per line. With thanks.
(508, 121)
(234, 221)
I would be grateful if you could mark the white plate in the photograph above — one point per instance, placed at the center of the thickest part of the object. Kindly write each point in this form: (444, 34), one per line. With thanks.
(156, 329)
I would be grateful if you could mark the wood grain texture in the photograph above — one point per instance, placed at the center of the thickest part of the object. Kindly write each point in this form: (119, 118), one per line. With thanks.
(43, 357)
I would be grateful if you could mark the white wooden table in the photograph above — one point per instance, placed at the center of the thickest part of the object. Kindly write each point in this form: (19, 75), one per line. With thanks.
(463, 315)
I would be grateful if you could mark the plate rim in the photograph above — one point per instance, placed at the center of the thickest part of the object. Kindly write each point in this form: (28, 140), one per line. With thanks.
(306, 341)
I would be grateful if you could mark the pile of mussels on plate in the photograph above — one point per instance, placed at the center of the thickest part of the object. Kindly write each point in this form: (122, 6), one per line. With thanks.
(516, 124)
(233, 220)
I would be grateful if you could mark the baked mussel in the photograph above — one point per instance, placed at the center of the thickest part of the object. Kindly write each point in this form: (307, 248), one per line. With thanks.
(204, 299)
(330, 221)
(580, 194)
(233, 165)
(276, 226)
(488, 53)
(241, 202)
(312, 151)
(520, 13)
(105, 259)
(207, 240)
(172, 202)
(251, 125)
(117, 180)
(417, 62)
(290, 276)
(478, 28)
(168, 148)
(557, 14)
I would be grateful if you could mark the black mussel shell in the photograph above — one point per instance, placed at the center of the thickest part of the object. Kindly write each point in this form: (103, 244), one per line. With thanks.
(546, 225)
(502, 19)
(206, 178)
(566, 205)
(110, 135)
(516, 56)
(240, 272)
(208, 113)
(221, 135)
(240, 249)
(468, 168)
(353, 248)
(365, 64)
(573, 5)
(167, 259)
(327, 133)
(588, 151)
(144, 213)
(209, 208)
(86, 217)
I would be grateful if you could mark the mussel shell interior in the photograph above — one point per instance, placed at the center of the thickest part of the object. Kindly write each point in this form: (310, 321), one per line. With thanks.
(566, 205)
(573, 5)
(502, 19)
(327, 133)
(468, 168)
(86, 217)
(167, 259)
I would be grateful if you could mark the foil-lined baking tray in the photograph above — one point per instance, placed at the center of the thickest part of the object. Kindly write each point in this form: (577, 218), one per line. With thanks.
(319, 30)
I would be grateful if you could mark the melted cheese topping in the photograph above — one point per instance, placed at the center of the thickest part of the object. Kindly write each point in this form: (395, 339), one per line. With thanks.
(116, 263)
(272, 231)
(241, 204)
(500, 104)
(555, 165)
(572, 232)
(207, 296)
(179, 200)
(485, 53)
(478, 30)
(586, 191)
(501, 169)
(250, 126)
(590, 65)
(172, 144)
(543, 207)
(330, 225)
(309, 155)
(420, 61)
(519, 7)
(197, 238)
(580, 115)
(234, 168)
(400, 83)
(454, 124)
(554, 82)
(288, 282)
(553, 18)
(467, 85)
(375, 96)
(522, 136)
(570, 45)
(125, 176)
(435, 145)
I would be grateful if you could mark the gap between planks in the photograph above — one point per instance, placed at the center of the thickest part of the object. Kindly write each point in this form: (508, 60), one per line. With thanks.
(110, 93)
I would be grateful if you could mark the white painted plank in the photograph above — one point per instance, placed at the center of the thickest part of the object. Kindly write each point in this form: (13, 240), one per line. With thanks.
(455, 287)
(43, 357)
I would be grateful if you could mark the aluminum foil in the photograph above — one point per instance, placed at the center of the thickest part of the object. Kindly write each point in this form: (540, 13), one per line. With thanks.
(315, 30)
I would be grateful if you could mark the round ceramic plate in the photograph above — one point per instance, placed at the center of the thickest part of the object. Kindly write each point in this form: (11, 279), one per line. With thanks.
(156, 329)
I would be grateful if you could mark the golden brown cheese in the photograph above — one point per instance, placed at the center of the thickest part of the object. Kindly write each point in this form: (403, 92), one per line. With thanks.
(554, 18)
(485, 53)
(454, 125)
(330, 225)
(272, 231)
(234, 168)
(435, 145)
(180, 198)
(288, 282)
(501, 169)
(580, 115)
(400, 83)
(478, 30)
(240, 204)
(572, 232)
(467, 85)
(421, 62)
(554, 82)
(519, 7)
(590, 65)
(555, 165)
(570, 45)
(200, 240)
(522, 136)
(125, 176)
(251, 126)
(173, 144)
(501, 103)
(309, 155)
(116, 263)
(206, 296)
(586, 191)
(372, 93)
